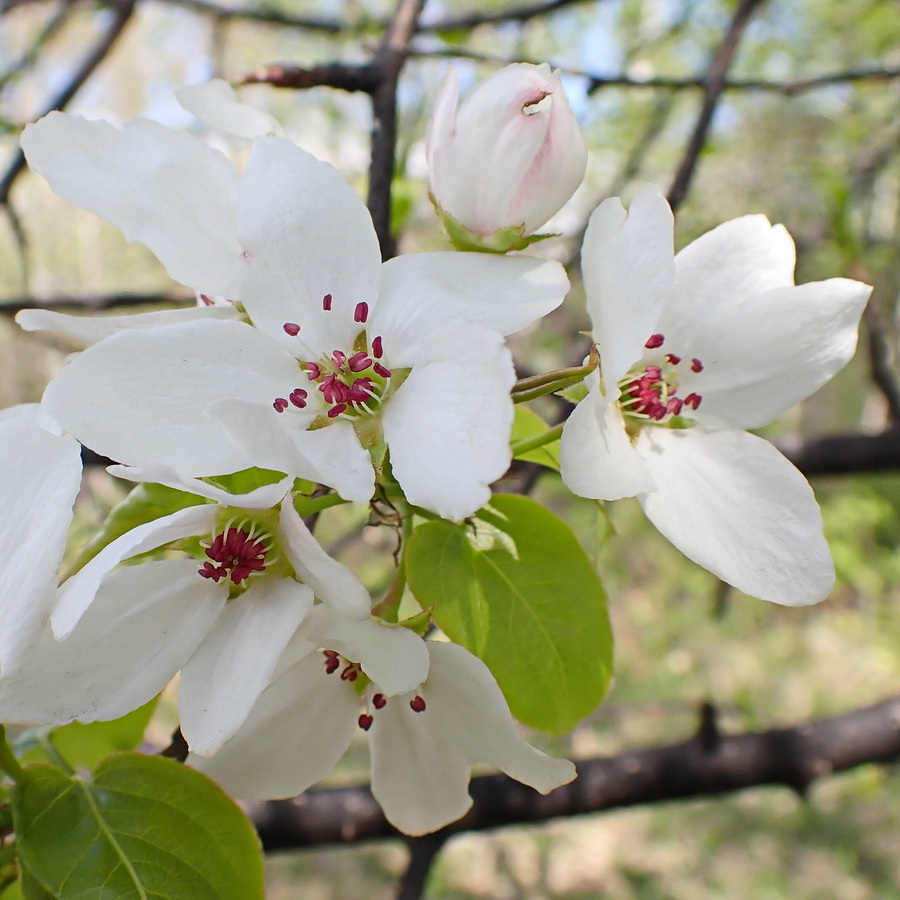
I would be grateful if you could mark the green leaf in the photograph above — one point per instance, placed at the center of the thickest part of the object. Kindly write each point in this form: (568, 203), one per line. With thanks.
(528, 424)
(521, 594)
(83, 746)
(142, 828)
(144, 504)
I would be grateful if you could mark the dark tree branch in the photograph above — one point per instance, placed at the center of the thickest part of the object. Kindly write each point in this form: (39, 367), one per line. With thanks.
(845, 454)
(715, 84)
(423, 852)
(264, 14)
(389, 63)
(98, 302)
(28, 57)
(342, 76)
(793, 757)
(880, 360)
(123, 10)
(514, 14)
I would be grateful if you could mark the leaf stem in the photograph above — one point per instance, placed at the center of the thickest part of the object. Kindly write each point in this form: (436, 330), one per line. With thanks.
(524, 446)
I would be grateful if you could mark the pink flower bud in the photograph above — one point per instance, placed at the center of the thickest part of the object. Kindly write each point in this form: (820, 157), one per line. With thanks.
(511, 155)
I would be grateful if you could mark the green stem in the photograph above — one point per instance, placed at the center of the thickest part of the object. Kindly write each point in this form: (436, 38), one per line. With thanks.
(8, 761)
(389, 607)
(536, 386)
(520, 447)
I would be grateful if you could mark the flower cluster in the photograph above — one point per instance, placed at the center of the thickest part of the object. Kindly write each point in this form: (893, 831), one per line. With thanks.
(311, 374)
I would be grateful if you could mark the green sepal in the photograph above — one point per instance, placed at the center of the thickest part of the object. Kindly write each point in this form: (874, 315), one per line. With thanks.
(501, 241)
(418, 623)
(518, 591)
(574, 393)
(139, 827)
(246, 480)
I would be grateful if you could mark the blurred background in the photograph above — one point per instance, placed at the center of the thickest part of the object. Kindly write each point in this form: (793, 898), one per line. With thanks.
(805, 130)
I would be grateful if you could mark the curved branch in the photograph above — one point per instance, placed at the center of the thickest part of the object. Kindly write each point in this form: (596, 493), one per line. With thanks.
(715, 84)
(793, 757)
(123, 10)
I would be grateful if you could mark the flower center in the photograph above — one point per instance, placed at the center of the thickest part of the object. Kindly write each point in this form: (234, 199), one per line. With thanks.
(236, 553)
(350, 671)
(651, 394)
(350, 383)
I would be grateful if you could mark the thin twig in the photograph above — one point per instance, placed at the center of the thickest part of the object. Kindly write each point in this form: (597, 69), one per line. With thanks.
(790, 88)
(715, 83)
(123, 11)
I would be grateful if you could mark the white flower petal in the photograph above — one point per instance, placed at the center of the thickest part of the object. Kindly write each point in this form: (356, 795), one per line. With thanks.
(216, 105)
(139, 397)
(234, 664)
(627, 263)
(34, 413)
(394, 657)
(738, 259)
(299, 728)
(40, 474)
(331, 581)
(263, 497)
(91, 329)
(421, 761)
(762, 354)
(144, 623)
(424, 291)
(77, 594)
(733, 504)
(332, 455)
(596, 457)
(305, 233)
(448, 425)
(163, 188)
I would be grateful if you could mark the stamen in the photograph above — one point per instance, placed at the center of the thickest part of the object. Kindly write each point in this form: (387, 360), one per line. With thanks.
(378, 701)
(673, 359)
(377, 349)
(291, 328)
(280, 404)
(351, 672)
(313, 371)
(692, 400)
(361, 390)
(361, 313)
(382, 371)
(332, 663)
(696, 365)
(417, 704)
(339, 358)
(359, 362)
(236, 549)
(654, 341)
(326, 303)
(335, 411)
(365, 721)
(298, 398)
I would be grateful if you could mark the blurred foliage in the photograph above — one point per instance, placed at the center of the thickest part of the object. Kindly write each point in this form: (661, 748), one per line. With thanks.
(824, 162)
